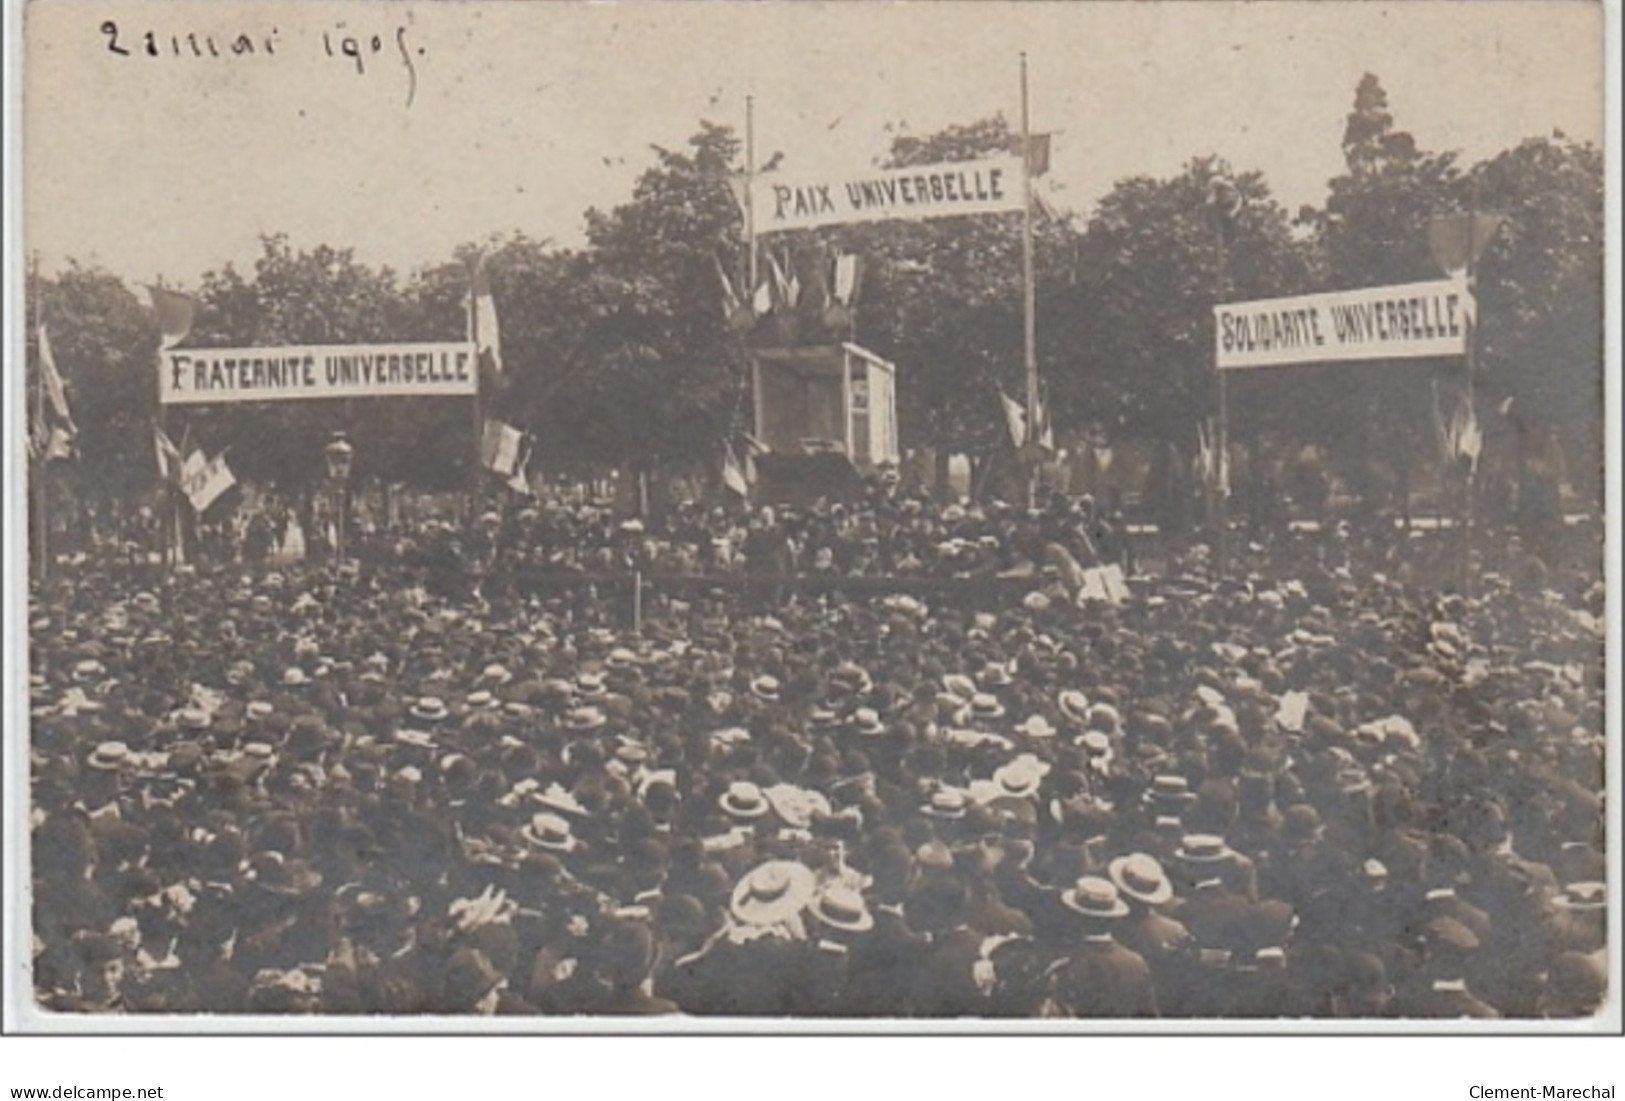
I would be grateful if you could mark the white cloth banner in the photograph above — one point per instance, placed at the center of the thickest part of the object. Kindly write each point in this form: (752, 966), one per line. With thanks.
(1400, 322)
(193, 376)
(806, 200)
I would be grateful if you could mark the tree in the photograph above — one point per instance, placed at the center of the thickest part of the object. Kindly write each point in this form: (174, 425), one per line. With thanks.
(325, 296)
(1375, 419)
(104, 343)
(1540, 297)
(652, 372)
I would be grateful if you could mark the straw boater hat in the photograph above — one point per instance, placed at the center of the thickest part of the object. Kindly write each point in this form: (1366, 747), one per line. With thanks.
(590, 686)
(1586, 896)
(841, 907)
(88, 669)
(1021, 777)
(1203, 848)
(1095, 743)
(1094, 897)
(1037, 726)
(823, 718)
(773, 892)
(957, 684)
(621, 659)
(482, 701)
(984, 708)
(109, 756)
(995, 674)
(866, 721)
(1103, 716)
(585, 718)
(744, 799)
(1141, 877)
(1074, 705)
(1169, 794)
(947, 803)
(421, 739)
(765, 688)
(429, 709)
(193, 718)
(549, 831)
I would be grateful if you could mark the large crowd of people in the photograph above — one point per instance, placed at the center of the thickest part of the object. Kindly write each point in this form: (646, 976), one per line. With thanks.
(1311, 785)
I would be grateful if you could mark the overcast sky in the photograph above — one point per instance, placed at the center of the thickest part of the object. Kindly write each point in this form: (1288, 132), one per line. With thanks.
(523, 115)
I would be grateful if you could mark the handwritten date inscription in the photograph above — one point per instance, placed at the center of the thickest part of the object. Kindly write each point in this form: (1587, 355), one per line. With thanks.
(364, 52)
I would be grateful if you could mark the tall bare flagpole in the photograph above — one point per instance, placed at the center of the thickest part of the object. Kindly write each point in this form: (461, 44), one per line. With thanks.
(1028, 296)
(750, 201)
(42, 511)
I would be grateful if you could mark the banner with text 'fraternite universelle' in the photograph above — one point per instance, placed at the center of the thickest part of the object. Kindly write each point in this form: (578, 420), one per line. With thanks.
(193, 376)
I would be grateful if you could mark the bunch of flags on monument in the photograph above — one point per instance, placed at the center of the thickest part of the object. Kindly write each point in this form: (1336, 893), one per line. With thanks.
(824, 286)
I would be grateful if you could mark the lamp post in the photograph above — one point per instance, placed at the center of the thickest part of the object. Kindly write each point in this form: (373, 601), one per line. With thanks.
(340, 456)
(1223, 204)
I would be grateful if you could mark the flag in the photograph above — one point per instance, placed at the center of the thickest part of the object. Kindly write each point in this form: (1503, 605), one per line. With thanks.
(51, 380)
(781, 294)
(1212, 466)
(1037, 152)
(1046, 430)
(1469, 439)
(733, 475)
(734, 309)
(848, 274)
(1015, 417)
(169, 456)
(175, 312)
(753, 448)
(738, 187)
(499, 447)
(520, 481)
(814, 292)
(730, 297)
(205, 480)
(761, 301)
(484, 331)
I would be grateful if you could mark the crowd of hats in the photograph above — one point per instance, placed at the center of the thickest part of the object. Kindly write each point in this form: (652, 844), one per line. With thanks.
(886, 534)
(1309, 792)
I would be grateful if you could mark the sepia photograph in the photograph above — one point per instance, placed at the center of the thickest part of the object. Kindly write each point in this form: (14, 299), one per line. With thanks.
(1051, 518)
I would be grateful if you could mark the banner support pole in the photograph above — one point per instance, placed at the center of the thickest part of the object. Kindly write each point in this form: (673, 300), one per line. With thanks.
(1028, 296)
(1468, 509)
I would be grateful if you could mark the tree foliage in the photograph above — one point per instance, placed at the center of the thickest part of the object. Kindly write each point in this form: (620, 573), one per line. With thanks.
(621, 352)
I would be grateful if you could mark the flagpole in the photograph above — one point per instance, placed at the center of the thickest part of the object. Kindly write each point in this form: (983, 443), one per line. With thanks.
(476, 428)
(1472, 410)
(750, 204)
(1028, 295)
(42, 510)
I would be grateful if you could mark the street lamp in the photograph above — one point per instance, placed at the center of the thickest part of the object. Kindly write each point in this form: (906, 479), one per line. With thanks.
(340, 456)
